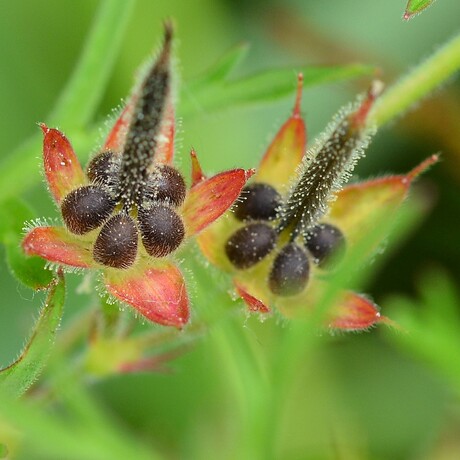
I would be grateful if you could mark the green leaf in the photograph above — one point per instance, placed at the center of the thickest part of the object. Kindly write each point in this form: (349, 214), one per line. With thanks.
(222, 68)
(415, 7)
(261, 87)
(30, 271)
(21, 374)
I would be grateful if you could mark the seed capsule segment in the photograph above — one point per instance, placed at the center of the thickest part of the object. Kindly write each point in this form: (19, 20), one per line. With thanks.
(86, 208)
(148, 114)
(103, 169)
(326, 244)
(259, 201)
(165, 184)
(250, 244)
(290, 271)
(116, 244)
(162, 230)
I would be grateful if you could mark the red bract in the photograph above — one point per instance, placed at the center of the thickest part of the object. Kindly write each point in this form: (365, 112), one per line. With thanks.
(278, 243)
(130, 211)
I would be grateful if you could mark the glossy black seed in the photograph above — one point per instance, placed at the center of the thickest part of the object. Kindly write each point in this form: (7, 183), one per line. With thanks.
(166, 184)
(326, 244)
(86, 208)
(162, 230)
(104, 169)
(250, 244)
(290, 271)
(116, 244)
(258, 202)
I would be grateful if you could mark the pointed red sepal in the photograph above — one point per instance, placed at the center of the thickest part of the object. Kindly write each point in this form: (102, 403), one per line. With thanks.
(117, 134)
(197, 172)
(286, 150)
(165, 148)
(57, 245)
(157, 292)
(62, 168)
(355, 313)
(359, 206)
(209, 199)
(359, 117)
(253, 303)
(158, 363)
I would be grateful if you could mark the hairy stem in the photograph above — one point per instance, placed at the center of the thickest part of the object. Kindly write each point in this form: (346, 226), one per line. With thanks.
(418, 83)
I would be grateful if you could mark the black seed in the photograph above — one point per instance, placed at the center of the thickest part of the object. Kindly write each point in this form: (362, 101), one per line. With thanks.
(326, 244)
(166, 184)
(290, 270)
(250, 244)
(162, 230)
(259, 202)
(116, 244)
(86, 208)
(104, 168)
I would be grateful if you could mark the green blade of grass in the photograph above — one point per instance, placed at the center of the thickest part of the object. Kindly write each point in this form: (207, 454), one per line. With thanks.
(84, 90)
(262, 87)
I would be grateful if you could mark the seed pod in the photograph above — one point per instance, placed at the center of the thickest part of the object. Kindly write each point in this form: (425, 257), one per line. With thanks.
(326, 244)
(103, 169)
(258, 202)
(250, 244)
(165, 184)
(162, 230)
(86, 208)
(116, 244)
(328, 165)
(290, 271)
(147, 118)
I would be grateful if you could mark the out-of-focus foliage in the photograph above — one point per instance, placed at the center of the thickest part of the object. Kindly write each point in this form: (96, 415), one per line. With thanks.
(263, 390)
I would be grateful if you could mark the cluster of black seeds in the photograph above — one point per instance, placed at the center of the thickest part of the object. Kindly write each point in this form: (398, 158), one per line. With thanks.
(258, 209)
(91, 206)
(267, 218)
(128, 194)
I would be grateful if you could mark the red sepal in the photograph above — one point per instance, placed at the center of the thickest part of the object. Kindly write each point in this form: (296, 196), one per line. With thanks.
(209, 199)
(62, 168)
(57, 245)
(157, 292)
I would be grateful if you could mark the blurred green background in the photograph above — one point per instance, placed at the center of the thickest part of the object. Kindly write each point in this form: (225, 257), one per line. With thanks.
(375, 395)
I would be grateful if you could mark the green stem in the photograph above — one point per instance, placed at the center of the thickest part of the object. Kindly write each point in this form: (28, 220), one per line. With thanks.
(83, 92)
(418, 83)
(79, 98)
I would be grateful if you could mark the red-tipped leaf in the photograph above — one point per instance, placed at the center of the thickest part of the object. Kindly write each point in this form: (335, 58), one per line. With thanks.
(197, 172)
(253, 303)
(62, 168)
(359, 207)
(117, 134)
(57, 245)
(209, 199)
(286, 150)
(157, 292)
(355, 312)
(165, 147)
